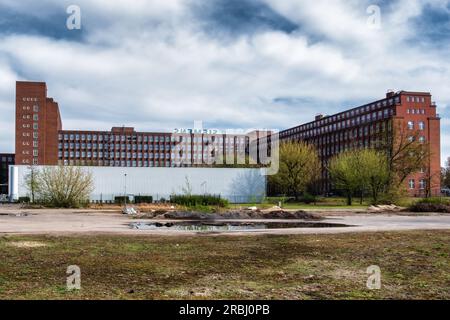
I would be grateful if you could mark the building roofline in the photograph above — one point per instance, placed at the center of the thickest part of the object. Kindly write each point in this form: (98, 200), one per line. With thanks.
(41, 83)
(363, 105)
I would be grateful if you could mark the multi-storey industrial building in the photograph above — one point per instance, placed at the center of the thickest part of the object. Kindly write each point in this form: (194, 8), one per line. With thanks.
(40, 140)
(6, 159)
(374, 125)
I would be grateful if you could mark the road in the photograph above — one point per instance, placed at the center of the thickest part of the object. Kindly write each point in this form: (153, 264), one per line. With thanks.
(14, 220)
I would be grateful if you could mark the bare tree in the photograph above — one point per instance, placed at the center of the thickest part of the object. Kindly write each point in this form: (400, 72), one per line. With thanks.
(432, 180)
(187, 188)
(407, 154)
(32, 181)
(64, 186)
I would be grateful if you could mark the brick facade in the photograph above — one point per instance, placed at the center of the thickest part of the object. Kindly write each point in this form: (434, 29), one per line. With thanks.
(374, 125)
(37, 124)
(41, 140)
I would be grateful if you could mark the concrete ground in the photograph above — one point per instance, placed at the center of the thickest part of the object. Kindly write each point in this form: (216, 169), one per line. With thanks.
(14, 220)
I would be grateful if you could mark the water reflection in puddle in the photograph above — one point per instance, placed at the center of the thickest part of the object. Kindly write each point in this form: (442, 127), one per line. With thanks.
(229, 225)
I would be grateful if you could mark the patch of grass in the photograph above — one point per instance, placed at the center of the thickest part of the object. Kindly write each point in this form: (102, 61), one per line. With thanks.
(301, 206)
(414, 265)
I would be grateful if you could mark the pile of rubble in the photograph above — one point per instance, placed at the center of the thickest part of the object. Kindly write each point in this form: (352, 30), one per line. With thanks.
(385, 208)
(248, 213)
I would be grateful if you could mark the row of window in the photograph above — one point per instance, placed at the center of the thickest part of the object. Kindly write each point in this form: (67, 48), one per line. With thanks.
(139, 147)
(123, 138)
(415, 111)
(28, 134)
(347, 134)
(117, 138)
(422, 184)
(306, 132)
(27, 152)
(28, 126)
(133, 155)
(30, 99)
(28, 117)
(119, 163)
(129, 155)
(415, 99)
(28, 161)
(27, 143)
(6, 159)
(106, 147)
(28, 108)
(422, 139)
(411, 125)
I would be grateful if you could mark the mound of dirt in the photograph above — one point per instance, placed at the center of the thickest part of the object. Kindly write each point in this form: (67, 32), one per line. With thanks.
(239, 214)
(384, 208)
(281, 214)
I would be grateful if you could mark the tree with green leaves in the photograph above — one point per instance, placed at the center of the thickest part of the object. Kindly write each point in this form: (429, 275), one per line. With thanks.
(364, 170)
(374, 172)
(343, 171)
(445, 174)
(299, 166)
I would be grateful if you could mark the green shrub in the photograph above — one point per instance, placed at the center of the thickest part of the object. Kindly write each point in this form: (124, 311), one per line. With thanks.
(143, 199)
(121, 200)
(431, 205)
(308, 198)
(442, 201)
(24, 200)
(198, 200)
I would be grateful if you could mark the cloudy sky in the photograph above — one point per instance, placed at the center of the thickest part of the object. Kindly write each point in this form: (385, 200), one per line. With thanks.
(157, 65)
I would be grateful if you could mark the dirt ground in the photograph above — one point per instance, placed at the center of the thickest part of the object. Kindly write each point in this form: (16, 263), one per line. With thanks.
(15, 220)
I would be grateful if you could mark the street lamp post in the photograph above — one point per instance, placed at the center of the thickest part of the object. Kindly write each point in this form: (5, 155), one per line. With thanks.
(204, 187)
(125, 190)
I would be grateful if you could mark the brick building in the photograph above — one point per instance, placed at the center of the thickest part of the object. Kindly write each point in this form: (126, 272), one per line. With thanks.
(373, 125)
(37, 124)
(6, 159)
(41, 140)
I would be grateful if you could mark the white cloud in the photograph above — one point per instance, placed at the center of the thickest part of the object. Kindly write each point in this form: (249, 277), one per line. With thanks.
(150, 64)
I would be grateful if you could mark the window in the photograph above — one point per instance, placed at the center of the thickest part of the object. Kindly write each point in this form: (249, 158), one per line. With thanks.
(35, 117)
(422, 184)
(421, 125)
(422, 139)
(36, 108)
(410, 125)
(412, 184)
